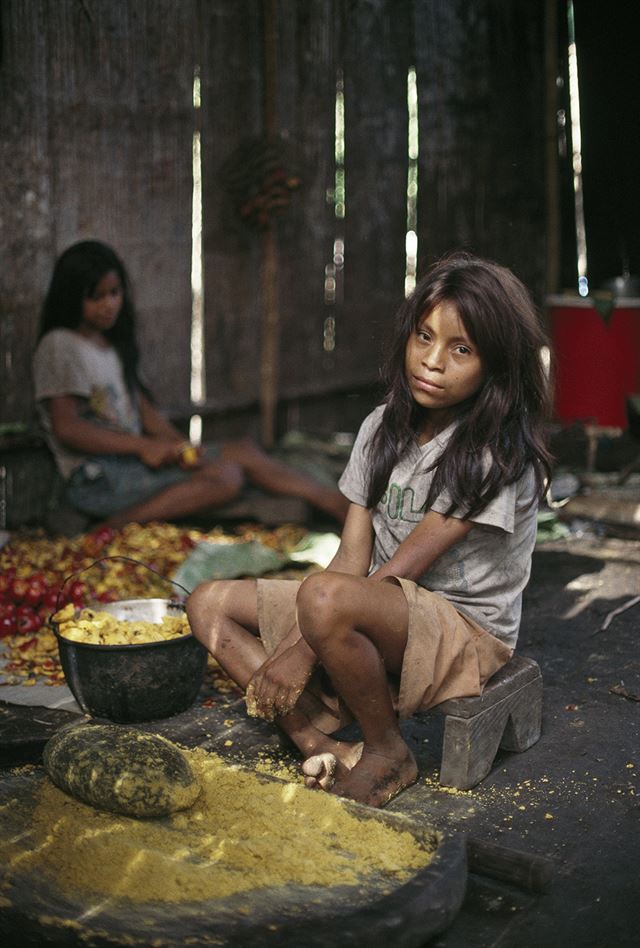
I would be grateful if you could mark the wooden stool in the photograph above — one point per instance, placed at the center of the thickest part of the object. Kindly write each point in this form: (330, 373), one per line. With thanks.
(507, 715)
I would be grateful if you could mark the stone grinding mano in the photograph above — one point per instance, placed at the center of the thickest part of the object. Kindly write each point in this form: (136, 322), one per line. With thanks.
(121, 770)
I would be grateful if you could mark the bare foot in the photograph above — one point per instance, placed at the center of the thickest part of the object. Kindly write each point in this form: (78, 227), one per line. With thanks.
(320, 715)
(323, 768)
(320, 771)
(377, 778)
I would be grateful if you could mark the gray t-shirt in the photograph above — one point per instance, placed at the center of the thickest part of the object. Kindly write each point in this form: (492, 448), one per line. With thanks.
(484, 574)
(66, 363)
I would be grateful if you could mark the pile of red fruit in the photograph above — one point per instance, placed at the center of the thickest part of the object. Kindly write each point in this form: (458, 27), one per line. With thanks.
(27, 602)
(39, 575)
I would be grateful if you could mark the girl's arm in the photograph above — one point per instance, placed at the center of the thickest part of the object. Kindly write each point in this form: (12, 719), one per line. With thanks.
(154, 422)
(279, 682)
(72, 430)
(427, 541)
(356, 543)
(160, 428)
(352, 556)
(430, 539)
(277, 685)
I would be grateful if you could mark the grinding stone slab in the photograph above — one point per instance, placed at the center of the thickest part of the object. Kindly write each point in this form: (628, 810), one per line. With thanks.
(33, 912)
(24, 730)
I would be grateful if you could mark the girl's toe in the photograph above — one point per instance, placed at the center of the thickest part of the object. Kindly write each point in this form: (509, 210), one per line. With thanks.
(321, 769)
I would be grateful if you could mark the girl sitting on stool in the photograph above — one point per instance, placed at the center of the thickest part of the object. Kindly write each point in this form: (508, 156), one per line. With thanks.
(422, 601)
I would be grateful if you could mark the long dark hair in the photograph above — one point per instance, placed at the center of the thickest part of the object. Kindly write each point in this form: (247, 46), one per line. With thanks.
(75, 276)
(506, 417)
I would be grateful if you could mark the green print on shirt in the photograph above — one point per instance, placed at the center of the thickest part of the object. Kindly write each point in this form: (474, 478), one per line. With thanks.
(399, 502)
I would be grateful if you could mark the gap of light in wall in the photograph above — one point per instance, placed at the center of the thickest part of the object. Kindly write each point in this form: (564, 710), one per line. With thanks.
(337, 196)
(576, 148)
(411, 240)
(197, 387)
(340, 187)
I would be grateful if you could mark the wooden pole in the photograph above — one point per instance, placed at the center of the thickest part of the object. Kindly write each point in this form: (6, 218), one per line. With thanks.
(270, 335)
(527, 870)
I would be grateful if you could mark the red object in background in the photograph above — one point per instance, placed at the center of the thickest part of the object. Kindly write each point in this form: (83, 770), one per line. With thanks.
(19, 589)
(7, 625)
(597, 360)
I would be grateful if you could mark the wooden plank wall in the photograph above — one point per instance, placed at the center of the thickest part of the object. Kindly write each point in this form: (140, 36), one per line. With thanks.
(96, 129)
(230, 60)
(481, 115)
(96, 143)
(368, 45)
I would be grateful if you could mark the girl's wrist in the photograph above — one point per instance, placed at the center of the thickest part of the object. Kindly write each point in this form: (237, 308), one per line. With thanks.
(140, 443)
(306, 652)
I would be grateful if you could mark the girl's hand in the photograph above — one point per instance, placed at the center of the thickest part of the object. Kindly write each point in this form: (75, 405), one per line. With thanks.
(190, 455)
(156, 452)
(276, 686)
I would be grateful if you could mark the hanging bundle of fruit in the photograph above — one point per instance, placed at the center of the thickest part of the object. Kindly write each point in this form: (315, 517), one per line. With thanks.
(260, 177)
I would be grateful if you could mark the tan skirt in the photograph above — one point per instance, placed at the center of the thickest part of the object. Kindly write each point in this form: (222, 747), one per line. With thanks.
(448, 655)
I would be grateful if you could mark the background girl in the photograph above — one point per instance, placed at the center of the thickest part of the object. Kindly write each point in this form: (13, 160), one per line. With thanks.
(422, 601)
(123, 461)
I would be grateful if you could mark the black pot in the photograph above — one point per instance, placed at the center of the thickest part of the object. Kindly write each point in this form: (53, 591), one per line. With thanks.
(132, 683)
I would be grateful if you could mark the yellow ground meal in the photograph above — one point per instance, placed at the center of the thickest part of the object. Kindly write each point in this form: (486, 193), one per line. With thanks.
(241, 834)
(101, 628)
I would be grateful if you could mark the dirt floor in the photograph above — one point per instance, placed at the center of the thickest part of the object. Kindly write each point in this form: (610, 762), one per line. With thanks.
(573, 797)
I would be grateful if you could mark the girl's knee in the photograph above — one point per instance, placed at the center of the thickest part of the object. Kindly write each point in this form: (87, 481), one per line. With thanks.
(233, 477)
(217, 606)
(225, 477)
(245, 444)
(203, 604)
(323, 599)
(244, 452)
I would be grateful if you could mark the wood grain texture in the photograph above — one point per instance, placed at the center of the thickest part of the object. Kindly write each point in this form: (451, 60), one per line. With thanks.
(96, 138)
(512, 722)
(480, 73)
(95, 141)
(518, 671)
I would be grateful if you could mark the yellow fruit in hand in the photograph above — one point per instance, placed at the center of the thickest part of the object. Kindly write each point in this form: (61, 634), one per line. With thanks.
(189, 455)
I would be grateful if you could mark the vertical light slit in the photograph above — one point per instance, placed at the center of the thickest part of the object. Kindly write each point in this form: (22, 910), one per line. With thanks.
(340, 192)
(333, 271)
(197, 388)
(576, 139)
(411, 240)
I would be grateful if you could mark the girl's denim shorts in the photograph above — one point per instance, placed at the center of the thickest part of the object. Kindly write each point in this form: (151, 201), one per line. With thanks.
(109, 483)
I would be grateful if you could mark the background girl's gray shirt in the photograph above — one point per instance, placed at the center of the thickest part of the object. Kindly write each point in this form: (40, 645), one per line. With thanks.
(65, 363)
(483, 575)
